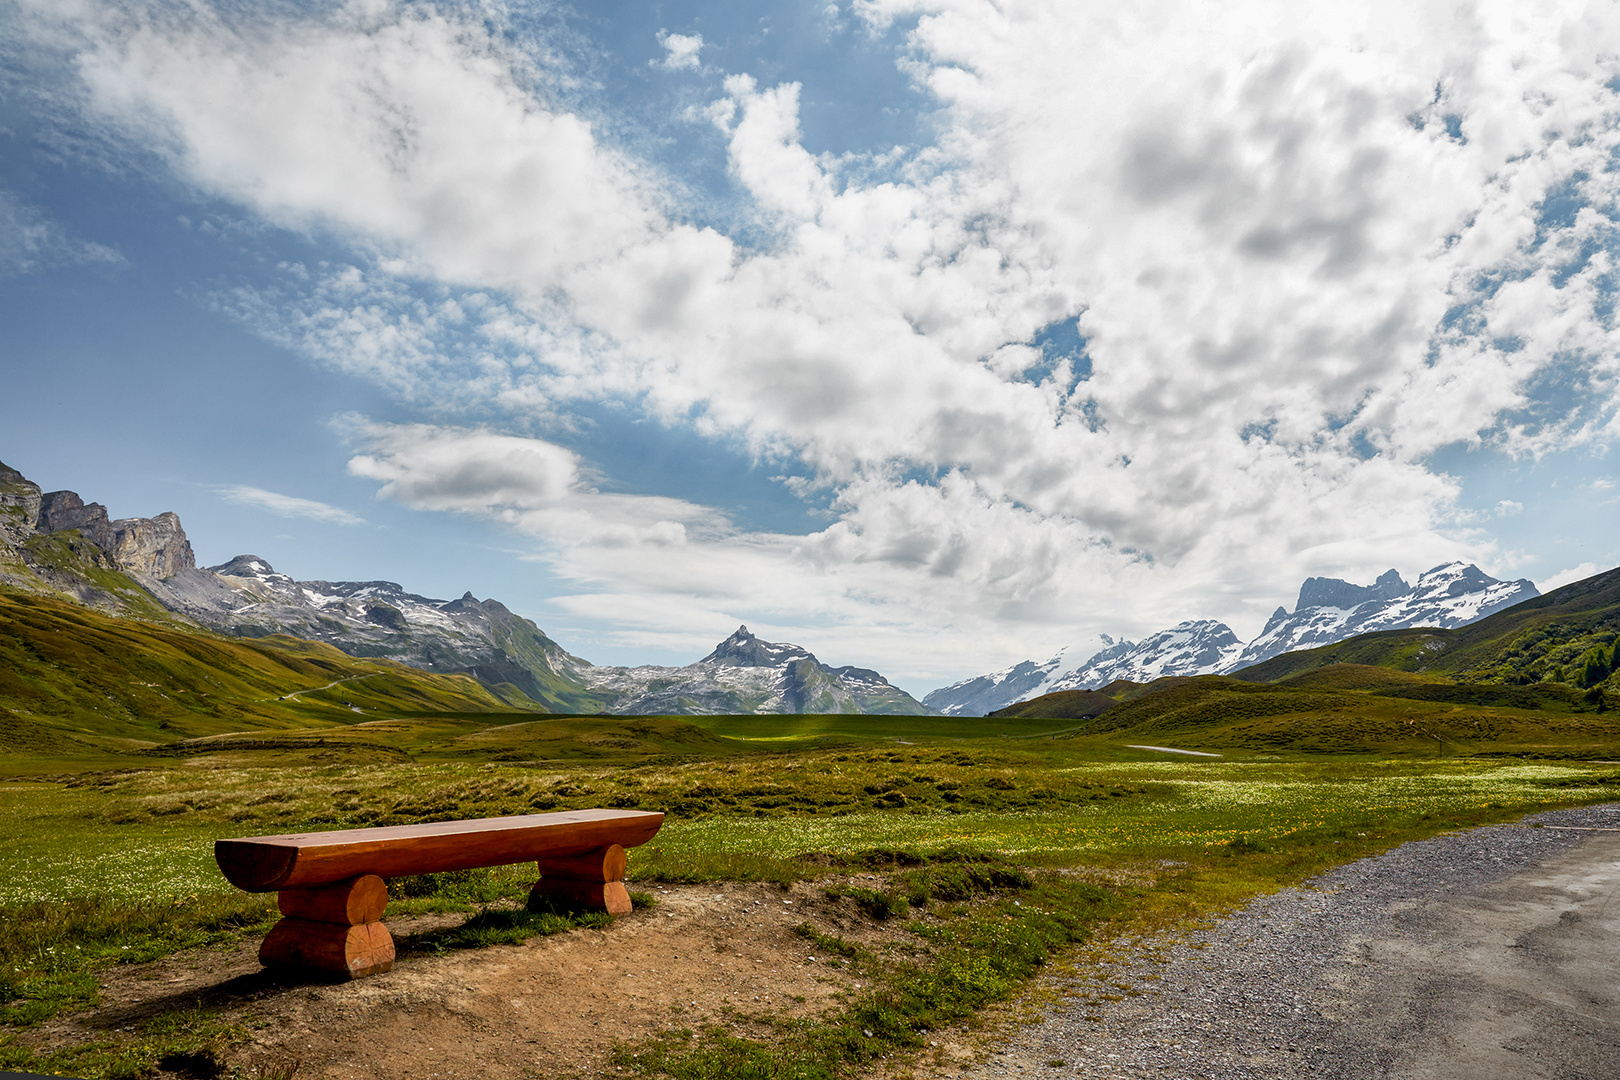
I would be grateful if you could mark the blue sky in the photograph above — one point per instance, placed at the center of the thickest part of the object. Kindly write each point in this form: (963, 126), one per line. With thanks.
(928, 335)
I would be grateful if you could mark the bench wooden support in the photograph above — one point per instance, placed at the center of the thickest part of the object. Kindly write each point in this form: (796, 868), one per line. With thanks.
(332, 893)
(590, 882)
(333, 928)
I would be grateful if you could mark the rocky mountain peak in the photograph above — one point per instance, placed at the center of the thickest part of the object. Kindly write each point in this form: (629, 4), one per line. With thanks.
(244, 566)
(1337, 593)
(744, 649)
(1453, 579)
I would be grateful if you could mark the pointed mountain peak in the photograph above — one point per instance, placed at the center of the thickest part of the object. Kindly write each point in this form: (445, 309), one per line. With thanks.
(744, 649)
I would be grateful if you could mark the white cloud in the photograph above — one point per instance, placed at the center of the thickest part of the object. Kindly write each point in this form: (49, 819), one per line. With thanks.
(289, 506)
(1569, 576)
(680, 50)
(467, 471)
(1305, 248)
(1508, 507)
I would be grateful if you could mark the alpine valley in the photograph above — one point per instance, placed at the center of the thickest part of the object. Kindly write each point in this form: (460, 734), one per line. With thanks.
(54, 544)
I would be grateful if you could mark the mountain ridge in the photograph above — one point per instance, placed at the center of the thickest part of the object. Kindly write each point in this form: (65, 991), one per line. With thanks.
(55, 543)
(1328, 610)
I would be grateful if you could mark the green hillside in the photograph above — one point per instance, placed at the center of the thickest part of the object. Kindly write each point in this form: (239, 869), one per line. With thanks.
(1351, 709)
(75, 682)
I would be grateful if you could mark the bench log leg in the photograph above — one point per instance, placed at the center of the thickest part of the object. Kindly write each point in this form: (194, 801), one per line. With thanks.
(589, 882)
(332, 928)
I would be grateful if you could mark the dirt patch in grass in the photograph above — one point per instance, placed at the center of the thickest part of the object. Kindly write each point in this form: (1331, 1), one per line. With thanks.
(702, 955)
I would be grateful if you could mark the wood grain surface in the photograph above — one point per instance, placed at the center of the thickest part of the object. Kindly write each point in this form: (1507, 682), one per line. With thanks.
(351, 951)
(351, 903)
(263, 863)
(604, 864)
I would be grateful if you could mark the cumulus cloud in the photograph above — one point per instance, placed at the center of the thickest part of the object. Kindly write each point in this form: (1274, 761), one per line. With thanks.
(290, 506)
(1302, 248)
(680, 50)
(468, 471)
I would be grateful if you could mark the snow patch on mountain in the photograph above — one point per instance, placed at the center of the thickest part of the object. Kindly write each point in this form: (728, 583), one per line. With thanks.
(984, 694)
(1198, 647)
(745, 674)
(1328, 610)
(1450, 595)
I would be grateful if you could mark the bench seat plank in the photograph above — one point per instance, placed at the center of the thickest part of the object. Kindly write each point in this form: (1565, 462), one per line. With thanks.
(265, 863)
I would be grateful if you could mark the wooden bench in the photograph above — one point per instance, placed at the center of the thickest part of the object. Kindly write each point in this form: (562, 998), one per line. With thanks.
(331, 889)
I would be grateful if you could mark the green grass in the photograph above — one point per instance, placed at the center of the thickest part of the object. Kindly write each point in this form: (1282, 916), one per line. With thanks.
(78, 686)
(973, 837)
(1349, 709)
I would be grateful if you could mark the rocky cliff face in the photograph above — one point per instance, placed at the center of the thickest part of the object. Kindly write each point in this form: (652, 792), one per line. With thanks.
(19, 506)
(152, 547)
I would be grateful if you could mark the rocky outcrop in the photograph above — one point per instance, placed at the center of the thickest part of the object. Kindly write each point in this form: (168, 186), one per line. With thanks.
(151, 547)
(60, 511)
(19, 506)
(1337, 593)
(154, 547)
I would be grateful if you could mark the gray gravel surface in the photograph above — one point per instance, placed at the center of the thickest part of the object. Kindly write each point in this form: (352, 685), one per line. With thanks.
(1482, 954)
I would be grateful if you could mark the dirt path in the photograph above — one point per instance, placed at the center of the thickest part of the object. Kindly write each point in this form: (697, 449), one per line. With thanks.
(294, 696)
(1471, 956)
(552, 1007)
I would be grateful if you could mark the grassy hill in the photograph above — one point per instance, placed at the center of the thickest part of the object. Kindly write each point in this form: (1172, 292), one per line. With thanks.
(76, 682)
(1348, 708)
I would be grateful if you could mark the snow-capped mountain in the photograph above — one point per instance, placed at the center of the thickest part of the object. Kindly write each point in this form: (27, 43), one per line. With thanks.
(984, 694)
(482, 638)
(1328, 610)
(1199, 647)
(246, 597)
(54, 542)
(747, 675)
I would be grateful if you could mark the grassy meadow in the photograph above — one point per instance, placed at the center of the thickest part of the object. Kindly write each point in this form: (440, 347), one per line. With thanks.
(114, 863)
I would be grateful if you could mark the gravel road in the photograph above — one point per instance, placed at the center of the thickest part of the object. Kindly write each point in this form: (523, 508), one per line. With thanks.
(1486, 954)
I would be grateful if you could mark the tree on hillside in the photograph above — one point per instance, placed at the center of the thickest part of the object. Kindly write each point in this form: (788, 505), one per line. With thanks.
(1594, 665)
